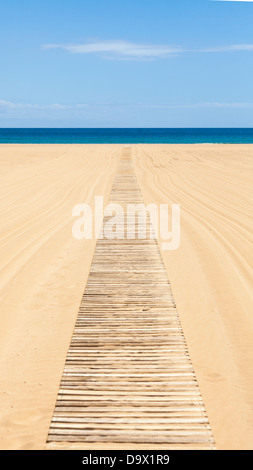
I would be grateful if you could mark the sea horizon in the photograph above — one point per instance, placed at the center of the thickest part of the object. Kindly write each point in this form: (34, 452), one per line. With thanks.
(134, 135)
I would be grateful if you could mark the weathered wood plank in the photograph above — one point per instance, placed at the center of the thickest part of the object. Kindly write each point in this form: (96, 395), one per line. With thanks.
(128, 377)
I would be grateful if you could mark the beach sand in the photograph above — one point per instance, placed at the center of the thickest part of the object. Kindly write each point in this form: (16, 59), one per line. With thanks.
(43, 273)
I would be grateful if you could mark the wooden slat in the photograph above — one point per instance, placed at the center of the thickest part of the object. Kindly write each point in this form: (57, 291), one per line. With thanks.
(128, 377)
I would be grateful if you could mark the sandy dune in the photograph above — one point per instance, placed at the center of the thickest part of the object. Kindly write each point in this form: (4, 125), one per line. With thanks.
(43, 273)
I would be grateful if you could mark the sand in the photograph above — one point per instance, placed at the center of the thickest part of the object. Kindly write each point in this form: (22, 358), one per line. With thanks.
(43, 273)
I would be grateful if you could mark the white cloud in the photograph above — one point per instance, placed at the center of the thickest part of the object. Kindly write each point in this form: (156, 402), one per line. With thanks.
(8, 105)
(55, 106)
(197, 105)
(106, 114)
(119, 49)
(124, 50)
(233, 47)
(222, 105)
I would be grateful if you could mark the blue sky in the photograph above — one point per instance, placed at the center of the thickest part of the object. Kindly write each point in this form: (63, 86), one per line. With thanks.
(134, 63)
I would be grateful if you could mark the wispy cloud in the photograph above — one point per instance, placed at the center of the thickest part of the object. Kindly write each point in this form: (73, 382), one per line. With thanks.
(108, 114)
(56, 106)
(9, 105)
(234, 47)
(119, 49)
(221, 105)
(124, 50)
(196, 105)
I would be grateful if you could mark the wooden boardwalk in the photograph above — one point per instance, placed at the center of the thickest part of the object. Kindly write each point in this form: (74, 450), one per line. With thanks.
(128, 377)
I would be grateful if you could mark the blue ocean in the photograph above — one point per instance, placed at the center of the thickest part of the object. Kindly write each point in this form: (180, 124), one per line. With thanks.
(127, 136)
